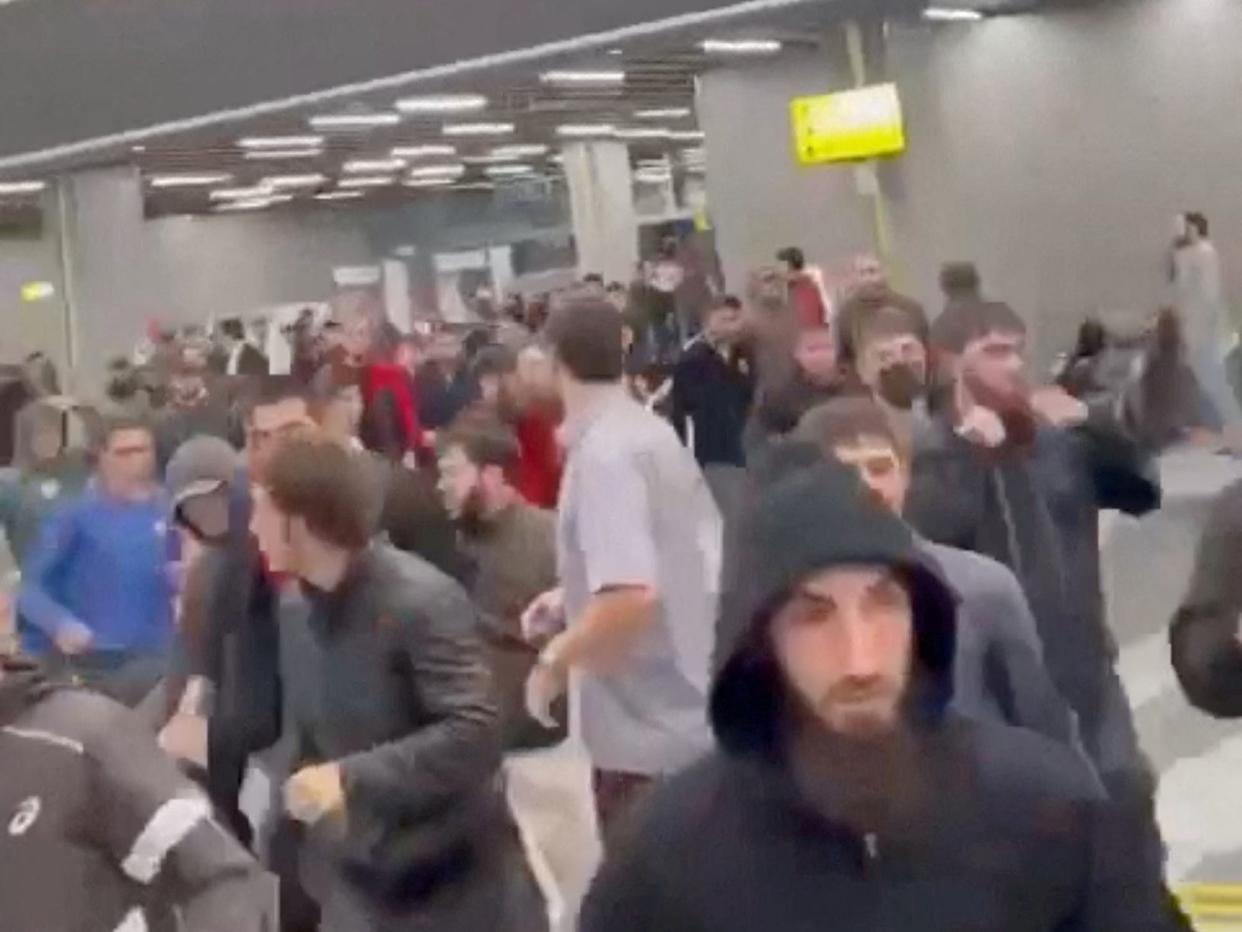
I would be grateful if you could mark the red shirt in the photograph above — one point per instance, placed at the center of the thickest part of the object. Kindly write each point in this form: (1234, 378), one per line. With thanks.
(539, 467)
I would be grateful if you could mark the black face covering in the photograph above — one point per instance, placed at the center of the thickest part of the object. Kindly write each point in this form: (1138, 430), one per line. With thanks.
(900, 386)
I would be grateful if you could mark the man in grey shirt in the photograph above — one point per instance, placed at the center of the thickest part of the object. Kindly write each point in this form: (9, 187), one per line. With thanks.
(998, 665)
(638, 544)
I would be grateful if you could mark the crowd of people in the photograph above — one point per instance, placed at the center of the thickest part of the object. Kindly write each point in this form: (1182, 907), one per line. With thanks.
(813, 583)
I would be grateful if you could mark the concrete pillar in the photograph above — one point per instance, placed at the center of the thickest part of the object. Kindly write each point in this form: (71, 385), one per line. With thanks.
(114, 288)
(601, 201)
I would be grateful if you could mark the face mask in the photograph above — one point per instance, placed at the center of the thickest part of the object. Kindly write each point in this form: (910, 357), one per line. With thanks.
(900, 386)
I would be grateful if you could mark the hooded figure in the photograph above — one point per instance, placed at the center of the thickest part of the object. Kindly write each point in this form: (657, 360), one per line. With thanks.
(859, 801)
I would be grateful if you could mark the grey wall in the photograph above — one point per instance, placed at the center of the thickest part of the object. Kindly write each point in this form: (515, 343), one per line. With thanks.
(1052, 148)
(26, 327)
(127, 271)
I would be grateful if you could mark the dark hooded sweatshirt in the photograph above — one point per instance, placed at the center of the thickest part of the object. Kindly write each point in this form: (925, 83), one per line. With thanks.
(100, 831)
(1003, 829)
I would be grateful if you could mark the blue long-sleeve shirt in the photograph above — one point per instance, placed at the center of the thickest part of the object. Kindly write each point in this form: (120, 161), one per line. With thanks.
(105, 563)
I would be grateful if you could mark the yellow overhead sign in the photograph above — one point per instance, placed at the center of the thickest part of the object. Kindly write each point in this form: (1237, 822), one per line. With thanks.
(858, 124)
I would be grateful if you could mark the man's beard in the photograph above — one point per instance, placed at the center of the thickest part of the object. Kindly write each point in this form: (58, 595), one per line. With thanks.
(1012, 407)
(471, 517)
(900, 386)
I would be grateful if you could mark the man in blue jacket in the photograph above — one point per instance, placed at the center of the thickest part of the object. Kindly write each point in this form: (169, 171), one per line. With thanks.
(97, 589)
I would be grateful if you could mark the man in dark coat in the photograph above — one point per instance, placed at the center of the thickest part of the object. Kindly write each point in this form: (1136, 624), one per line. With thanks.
(844, 794)
(1021, 476)
(387, 712)
(713, 385)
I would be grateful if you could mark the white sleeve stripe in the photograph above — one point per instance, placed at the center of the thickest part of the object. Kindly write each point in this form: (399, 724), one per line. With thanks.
(35, 734)
(135, 921)
(166, 829)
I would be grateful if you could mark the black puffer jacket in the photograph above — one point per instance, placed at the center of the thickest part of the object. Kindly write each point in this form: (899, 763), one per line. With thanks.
(1007, 830)
(99, 830)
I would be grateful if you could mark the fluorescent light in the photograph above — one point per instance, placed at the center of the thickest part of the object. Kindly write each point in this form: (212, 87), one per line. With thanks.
(693, 135)
(741, 46)
(437, 171)
(643, 132)
(664, 113)
(366, 181)
(583, 77)
(372, 166)
(942, 14)
(250, 193)
(476, 186)
(616, 51)
(478, 129)
(581, 130)
(188, 180)
(652, 177)
(443, 103)
(509, 171)
(295, 181)
(254, 203)
(520, 151)
(22, 187)
(421, 152)
(429, 182)
(281, 142)
(355, 120)
(557, 159)
(281, 154)
(338, 195)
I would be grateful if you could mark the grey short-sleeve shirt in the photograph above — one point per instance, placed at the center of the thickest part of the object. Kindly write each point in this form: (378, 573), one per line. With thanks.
(635, 510)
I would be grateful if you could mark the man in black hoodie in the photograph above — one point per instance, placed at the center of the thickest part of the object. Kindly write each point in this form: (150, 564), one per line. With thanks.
(843, 794)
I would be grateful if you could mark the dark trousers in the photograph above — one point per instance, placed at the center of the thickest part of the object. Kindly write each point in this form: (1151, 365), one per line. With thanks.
(125, 678)
(616, 794)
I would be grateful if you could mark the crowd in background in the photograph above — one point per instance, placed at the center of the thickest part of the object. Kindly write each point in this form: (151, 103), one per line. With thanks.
(823, 570)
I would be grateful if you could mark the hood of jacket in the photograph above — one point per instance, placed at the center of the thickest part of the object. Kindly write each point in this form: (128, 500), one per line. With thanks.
(805, 521)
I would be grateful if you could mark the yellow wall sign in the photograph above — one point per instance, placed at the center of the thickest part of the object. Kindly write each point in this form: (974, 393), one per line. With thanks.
(858, 124)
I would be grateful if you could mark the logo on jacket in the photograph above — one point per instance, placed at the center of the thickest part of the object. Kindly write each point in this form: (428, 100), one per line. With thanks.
(25, 815)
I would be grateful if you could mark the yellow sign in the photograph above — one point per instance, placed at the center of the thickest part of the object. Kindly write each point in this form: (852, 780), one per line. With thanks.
(37, 291)
(859, 124)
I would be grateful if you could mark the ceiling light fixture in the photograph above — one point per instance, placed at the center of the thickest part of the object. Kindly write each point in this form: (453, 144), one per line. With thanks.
(437, 171)
(583, 130)
(295, 181)
(443, 103)
(253, 203)
(693, 135)
(372, 166)
(664, 113)
(478, 129)
(422, 152)
(188, 180)
(509, 171)
(331, 121)
(280, 142)
(520, 151)
(741, 46)
(616, 51)
(338, 195)
(429, 182)
(22, 187)
(366, 181)
(583, 77)
(248, 193)
(283, 154)
(643, 132)
(943, 14)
